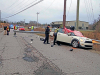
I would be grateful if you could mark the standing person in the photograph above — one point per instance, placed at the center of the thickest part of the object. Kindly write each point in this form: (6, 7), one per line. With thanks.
(5, 31)
(32, 28)
(9, 28)
(47, 31)
(15, 28)
(55, 35)
(58, 29)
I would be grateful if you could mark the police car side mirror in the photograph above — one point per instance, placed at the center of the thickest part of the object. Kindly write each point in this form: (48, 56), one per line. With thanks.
(69, 34)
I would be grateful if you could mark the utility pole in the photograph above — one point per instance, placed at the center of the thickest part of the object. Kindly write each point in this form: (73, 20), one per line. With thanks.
(37, 18)
(0, 17)
(77, 17)
(64, 14)
(24, 22)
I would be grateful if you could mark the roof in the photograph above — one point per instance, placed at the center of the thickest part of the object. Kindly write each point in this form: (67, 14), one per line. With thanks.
(71, 21)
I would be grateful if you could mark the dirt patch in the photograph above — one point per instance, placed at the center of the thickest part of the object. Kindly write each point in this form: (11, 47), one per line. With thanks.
(46, 69)
(39, 29)
(30, 58)
(96, 47)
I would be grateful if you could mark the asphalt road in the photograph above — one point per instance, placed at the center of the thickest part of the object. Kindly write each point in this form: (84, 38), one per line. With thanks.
(18, 56)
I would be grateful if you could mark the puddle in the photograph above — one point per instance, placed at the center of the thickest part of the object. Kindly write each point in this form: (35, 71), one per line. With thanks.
(0, 60)
(16, 73)
(30, 58)
(28, 49)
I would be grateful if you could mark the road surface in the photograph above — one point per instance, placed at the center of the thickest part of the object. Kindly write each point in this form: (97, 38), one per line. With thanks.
(18, 56)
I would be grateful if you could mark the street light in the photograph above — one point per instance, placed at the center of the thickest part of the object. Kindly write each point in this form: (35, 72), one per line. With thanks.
(37, 18)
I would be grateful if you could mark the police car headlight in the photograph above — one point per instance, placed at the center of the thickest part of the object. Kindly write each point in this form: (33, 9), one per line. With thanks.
(82, 40)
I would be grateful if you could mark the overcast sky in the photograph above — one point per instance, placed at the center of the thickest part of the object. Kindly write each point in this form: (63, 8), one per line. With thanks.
(49, 10)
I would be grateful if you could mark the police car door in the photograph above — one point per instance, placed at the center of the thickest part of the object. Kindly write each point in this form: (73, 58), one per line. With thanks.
(60, 35)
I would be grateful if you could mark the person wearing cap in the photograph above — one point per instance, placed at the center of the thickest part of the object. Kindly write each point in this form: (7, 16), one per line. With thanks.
(47, 31)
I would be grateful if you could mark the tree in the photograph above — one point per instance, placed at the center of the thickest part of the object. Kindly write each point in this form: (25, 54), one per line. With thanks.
(98, 27)
(4, 21)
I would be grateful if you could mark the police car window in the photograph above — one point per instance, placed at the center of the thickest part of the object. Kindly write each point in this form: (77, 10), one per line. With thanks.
(61, 31)
(72, 34)
(52, 30)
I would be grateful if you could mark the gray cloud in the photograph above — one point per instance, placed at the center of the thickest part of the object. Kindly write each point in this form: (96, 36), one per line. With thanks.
(51, 10)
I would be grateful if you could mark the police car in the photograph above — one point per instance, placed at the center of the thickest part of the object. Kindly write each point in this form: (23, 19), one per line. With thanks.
(73, 37)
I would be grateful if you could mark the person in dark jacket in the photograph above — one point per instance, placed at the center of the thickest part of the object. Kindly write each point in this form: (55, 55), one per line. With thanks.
(5, 31)
(47, 31)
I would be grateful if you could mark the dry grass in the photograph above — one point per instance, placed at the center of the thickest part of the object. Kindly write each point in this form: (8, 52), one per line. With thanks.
(91, 34)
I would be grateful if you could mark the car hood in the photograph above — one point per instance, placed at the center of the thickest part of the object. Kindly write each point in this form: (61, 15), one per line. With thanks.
(85, 38)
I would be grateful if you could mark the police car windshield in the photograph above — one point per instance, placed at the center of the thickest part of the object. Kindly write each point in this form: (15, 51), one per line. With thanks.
(78, 33)
(61, 30)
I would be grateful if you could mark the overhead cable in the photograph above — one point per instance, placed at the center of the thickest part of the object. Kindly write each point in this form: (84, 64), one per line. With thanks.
(92, 8)
(24, 6)
(48, 6)
(10, 5)
(24, 9)
(69, 8)
(87, 10)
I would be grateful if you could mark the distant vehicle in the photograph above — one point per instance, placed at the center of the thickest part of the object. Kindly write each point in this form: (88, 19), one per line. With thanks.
(21, 28)
(11, 27)
(73, 37)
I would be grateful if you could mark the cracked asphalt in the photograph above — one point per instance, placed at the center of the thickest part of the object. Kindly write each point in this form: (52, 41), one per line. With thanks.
(18, 56)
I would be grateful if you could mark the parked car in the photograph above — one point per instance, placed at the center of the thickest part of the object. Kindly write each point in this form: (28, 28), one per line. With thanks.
(52, 31)
(73, 37)
(21, 28)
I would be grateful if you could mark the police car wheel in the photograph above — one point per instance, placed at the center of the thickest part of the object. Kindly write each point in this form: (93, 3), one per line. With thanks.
(75, 43)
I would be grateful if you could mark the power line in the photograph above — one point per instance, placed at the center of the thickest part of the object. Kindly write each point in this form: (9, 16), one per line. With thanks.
(69, 8)
(10, 5)
(92, 8)
(86, 6)
(16, 5)
(48, 6)
(24, 6)
(24, 9)
(91, 12)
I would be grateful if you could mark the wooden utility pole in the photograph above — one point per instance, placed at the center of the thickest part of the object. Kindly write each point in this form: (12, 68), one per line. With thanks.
(37, 18)
(64, 14)
(77, 17)
(0, 17)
